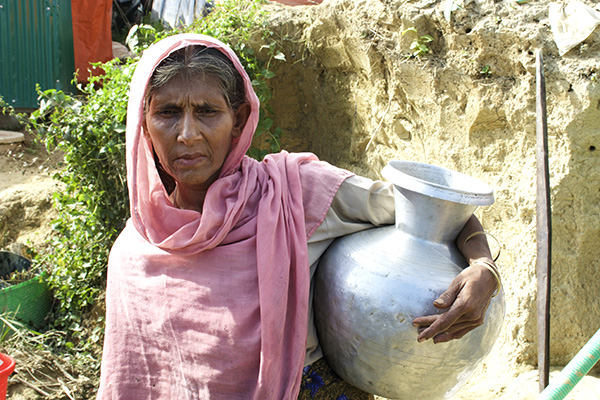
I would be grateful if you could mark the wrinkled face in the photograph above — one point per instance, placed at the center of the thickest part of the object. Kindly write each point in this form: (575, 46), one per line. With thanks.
(191, 127)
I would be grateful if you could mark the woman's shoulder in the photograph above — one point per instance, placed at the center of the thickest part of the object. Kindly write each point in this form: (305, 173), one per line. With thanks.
(128, 241)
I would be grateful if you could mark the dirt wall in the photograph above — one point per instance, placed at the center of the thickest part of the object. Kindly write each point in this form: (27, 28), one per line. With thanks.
(350, 92)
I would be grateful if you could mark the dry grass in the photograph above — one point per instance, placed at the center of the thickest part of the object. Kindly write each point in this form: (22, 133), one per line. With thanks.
(41, 372)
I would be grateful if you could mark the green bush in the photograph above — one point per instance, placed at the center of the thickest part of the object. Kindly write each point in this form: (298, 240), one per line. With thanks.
(92, 205)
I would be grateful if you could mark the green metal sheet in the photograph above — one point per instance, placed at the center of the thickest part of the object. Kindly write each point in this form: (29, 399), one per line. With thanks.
(36, 47)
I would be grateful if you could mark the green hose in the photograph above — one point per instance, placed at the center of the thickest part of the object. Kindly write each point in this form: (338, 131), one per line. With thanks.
(575, 370)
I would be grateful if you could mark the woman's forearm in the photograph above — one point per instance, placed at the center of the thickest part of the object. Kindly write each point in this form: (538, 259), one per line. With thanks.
(474, 246)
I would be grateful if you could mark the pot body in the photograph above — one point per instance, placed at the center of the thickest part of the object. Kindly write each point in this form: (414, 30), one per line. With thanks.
(370, 285)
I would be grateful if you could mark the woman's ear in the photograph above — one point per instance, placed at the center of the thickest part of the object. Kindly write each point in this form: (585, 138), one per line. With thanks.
(241, 117)
(145, 109)
(145, 128)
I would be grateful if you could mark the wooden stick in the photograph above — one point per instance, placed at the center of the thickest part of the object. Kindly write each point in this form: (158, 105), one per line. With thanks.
(66, 389)
(65, 373)
(543, 228)
(32, 386)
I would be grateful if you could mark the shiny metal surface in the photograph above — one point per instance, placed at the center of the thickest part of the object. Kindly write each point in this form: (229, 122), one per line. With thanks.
(370, 285)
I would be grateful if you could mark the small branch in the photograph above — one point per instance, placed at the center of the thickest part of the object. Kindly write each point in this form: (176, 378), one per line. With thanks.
(378, 126)
(31, 386)
(66, 389)
(65, 373)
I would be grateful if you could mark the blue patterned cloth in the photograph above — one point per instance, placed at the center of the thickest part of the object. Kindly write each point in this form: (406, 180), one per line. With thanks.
(319, 382)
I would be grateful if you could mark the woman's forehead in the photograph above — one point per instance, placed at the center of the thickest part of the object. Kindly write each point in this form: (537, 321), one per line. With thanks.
(182, 89)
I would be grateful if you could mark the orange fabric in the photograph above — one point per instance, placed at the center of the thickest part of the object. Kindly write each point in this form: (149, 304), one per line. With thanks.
(92, 36)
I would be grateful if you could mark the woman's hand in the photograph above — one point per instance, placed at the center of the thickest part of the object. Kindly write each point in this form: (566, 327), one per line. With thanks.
(465, 301)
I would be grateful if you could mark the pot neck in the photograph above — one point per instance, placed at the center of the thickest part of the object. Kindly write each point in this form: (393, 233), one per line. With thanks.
(433, 202)
(430, 218)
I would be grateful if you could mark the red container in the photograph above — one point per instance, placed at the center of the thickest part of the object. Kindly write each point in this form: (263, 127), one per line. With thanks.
(7, 368)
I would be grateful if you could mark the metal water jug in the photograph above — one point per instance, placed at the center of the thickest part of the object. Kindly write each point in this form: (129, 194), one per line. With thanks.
(370, 286)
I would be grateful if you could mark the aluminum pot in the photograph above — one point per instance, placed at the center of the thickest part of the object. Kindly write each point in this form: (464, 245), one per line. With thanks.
(370, 285)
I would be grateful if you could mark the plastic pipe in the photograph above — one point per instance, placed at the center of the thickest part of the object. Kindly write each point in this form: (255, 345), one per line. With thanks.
(575, 370)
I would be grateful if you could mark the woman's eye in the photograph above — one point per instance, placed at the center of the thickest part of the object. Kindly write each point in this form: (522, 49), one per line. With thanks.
(206, 111)
(167, 112)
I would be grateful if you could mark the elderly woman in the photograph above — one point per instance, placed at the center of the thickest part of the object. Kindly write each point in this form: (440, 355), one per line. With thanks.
(209, 284)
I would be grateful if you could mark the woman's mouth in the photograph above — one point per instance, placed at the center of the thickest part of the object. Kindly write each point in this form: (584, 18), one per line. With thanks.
(187, 160)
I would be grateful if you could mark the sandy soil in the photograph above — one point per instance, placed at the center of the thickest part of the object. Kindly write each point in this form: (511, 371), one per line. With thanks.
(26, 187)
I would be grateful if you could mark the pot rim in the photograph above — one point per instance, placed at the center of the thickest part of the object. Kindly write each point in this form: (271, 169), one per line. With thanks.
(438, 182)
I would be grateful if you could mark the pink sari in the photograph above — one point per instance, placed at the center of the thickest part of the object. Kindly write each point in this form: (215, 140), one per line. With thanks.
(212, 305)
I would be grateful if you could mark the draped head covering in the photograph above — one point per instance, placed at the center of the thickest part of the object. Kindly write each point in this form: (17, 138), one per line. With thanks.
(212, 305)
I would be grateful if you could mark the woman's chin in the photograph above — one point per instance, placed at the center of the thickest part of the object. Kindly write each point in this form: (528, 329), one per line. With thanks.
(193, 179)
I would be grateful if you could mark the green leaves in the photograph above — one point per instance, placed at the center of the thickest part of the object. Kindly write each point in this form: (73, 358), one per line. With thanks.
(140, 37)
(418, 45)
(89, 130)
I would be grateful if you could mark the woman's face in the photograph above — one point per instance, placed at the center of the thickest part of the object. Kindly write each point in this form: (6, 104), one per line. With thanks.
(191, 127)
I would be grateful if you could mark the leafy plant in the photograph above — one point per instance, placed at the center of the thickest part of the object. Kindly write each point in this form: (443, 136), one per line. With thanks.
(5, 108)
(93, 203)
(140, 37)
(486, 71)
(8, 110)
(419, 44)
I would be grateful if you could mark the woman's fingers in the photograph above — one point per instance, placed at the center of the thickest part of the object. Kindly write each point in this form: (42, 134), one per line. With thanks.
(441, 323)
(457, 326)
(447, 298)
(461, 315)
(440, 333)
(465, 301)
(447, 336)
(457, 331)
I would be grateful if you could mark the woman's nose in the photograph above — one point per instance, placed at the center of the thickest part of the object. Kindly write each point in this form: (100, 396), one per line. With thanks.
(190, 129)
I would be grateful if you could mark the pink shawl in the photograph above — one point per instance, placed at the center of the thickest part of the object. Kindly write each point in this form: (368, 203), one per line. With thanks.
(212, 305)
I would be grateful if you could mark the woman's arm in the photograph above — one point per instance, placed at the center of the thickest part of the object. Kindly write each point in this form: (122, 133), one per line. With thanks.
(469, 294)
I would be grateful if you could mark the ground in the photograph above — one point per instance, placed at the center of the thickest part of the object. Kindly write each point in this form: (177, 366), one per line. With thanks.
(26, 187)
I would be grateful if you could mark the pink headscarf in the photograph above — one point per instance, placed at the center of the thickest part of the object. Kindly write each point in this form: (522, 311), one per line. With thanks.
(263, 211)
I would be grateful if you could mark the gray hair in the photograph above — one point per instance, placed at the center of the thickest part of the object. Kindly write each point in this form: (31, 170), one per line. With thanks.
(199, 63)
